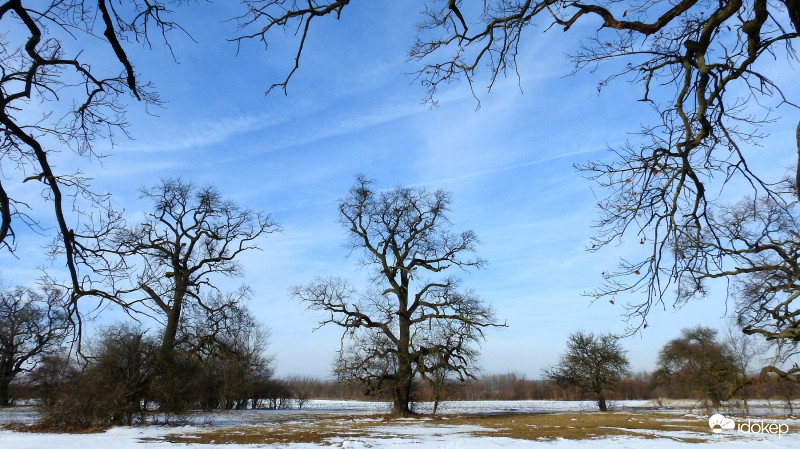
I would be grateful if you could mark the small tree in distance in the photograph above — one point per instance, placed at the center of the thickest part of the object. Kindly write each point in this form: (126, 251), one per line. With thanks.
(700, 365)
(592, 363)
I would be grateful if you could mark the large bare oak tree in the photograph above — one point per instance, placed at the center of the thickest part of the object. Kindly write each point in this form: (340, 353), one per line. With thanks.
(169, 265)
(412, 320)
(174, 257)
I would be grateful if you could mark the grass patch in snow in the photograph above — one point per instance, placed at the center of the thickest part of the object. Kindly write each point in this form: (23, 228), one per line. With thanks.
(582, 426)
(316, 430)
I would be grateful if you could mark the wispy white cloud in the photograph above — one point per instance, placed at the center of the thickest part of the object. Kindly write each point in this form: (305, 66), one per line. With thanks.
(506, 168)
(183, 136)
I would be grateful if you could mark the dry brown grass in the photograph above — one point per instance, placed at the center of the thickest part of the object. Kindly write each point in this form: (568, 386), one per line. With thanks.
(545, 426)
(581, 426)
(317, 430)
(50, 428)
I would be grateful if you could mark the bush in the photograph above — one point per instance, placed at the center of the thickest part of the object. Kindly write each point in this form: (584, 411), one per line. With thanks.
(111, 389)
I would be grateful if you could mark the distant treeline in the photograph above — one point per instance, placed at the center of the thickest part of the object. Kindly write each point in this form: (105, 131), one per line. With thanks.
(294, 391)
(514, 386)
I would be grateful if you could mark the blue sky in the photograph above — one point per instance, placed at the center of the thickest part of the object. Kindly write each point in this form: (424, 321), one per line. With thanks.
(352, 109)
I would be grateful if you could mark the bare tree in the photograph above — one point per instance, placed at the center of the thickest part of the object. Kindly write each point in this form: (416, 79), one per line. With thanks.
(456, 356)
(191, 235)
(749, 353)
(409, 323)
(592, 363)
(31, 324)
(171, 261)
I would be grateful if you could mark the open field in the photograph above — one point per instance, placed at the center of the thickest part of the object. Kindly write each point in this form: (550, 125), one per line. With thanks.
(507, 424)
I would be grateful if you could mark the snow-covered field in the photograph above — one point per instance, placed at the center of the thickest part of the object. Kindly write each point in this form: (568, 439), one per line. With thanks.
(421, 433)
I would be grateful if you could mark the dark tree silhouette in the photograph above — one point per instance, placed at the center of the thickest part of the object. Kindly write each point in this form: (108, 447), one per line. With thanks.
(171, 261)
(409, 323)
(191, 235)
(699, 365)
(31, 324)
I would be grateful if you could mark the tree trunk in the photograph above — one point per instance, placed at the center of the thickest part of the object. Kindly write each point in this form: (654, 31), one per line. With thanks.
(5, 391)
(171, 381)
(716, 399)
(402, 399)
(601, 401)
(402, 387)
(405, 373)
(171, 332)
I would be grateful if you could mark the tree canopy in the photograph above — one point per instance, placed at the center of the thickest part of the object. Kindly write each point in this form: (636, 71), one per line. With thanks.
(412, 320)
(592, 363)
(700, 365)
(170, 261)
